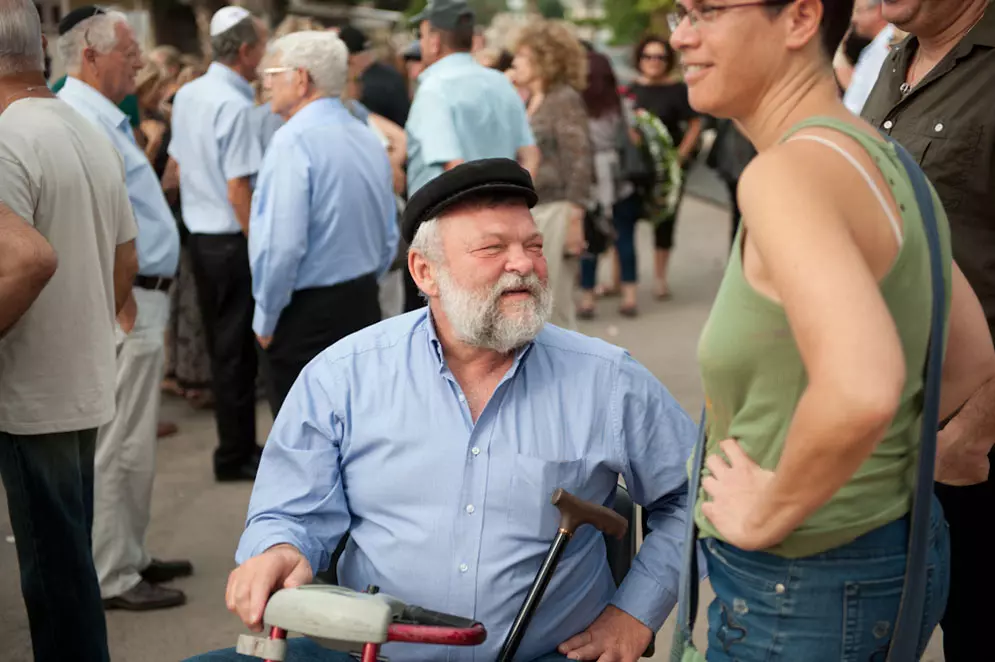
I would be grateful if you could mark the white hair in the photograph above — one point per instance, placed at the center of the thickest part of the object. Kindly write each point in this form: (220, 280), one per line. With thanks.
(20, 38)
(322, 54)
(98, 32)
(428, 241)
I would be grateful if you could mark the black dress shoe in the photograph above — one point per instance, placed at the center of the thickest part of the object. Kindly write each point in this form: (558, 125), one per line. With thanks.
(166, 571)
(146, 597)
(244, 472)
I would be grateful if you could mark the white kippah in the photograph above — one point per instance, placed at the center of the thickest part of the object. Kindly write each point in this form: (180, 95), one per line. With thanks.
(225, 18)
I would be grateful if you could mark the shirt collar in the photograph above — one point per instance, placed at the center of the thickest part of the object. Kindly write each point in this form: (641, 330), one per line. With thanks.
(97, 102)
(451, 61)
(315, 109)
(438, 353)
(235, 80)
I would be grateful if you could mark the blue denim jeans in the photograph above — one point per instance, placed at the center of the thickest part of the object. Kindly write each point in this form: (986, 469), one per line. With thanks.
(836, 606)
(625, 214)
(49, 484)
(301, 649)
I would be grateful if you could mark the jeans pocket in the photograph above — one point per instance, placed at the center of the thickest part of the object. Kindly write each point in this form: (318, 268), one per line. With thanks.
(869, 611)
(743, 570)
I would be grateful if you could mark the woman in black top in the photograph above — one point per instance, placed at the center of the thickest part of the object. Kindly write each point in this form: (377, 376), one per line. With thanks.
(660, 91)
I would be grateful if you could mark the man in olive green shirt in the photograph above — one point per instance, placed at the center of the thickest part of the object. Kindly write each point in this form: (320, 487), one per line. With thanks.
(935, 95)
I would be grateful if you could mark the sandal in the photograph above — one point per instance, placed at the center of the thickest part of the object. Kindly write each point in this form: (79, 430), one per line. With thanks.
(628, 311)
(585, 313)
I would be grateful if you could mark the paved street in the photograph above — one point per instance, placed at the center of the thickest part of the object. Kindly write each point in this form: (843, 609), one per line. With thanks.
(195, 518)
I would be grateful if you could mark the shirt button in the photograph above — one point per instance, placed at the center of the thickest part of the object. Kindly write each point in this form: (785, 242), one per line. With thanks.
(779, 588)
(938, 127)
(889, 124)
(475, 450)
(463, 567)
(470, 509)
(462, 398)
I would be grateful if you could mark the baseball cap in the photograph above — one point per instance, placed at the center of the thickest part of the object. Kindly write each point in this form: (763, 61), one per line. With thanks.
(225, 18)
(444, 14)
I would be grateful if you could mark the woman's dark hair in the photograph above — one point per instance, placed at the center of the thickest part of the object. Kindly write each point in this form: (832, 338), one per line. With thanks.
(601, 94)
(504, 61)
(637, 53)
(836, 17)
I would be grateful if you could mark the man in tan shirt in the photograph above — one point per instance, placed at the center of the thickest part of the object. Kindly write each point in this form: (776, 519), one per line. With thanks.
(60, 176)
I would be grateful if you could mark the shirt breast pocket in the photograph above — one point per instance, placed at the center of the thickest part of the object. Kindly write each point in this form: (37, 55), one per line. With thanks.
(532, 483)
(948, 153)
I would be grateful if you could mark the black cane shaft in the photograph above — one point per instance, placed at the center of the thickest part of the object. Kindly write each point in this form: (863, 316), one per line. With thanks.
(525, 614)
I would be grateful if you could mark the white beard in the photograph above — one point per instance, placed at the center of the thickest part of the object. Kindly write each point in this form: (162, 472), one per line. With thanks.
(478, 320)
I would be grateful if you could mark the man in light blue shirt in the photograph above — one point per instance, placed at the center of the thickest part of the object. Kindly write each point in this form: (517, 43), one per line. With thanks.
(216, 144)
(324, 220)
(462, 111)
(435, 439)
(99, 78)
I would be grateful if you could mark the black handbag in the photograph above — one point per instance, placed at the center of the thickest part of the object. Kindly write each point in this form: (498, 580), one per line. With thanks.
(598, 231)
(635, 163)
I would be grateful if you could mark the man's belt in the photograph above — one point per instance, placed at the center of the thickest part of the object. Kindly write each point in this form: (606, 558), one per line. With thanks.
(154, 283)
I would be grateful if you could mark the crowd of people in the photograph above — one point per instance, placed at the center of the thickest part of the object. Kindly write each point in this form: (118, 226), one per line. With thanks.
(394, 253)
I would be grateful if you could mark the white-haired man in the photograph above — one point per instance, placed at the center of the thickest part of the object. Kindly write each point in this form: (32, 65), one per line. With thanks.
(216, 143)
(324, 221)
(62, 176)
(102, 57)
(435, 439)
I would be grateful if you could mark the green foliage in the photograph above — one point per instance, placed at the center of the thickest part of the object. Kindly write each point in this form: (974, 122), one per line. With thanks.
(486, 10)
(631, 19)
(415, 7)
(625, 20)
(551, 9)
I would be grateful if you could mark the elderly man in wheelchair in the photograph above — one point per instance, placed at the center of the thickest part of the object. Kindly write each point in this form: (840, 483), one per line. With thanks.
(419, 456)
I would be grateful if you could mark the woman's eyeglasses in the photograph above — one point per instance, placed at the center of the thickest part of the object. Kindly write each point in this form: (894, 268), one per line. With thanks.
(708, 13)
(655, 57)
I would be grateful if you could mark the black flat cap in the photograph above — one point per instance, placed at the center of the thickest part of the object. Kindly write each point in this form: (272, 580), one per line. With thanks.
(498, 178)
(77, 16)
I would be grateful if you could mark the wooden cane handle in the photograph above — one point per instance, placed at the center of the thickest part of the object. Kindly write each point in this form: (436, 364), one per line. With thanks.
(575, 512)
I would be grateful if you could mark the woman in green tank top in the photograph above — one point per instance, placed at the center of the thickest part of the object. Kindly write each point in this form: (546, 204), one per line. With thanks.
(812, 357)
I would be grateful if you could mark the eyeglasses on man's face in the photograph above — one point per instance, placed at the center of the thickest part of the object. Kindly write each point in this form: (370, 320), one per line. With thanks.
(706, 13)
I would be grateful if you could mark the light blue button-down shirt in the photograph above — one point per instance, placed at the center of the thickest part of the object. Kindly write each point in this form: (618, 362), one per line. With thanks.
(158, 241)
(215, 139)
(323, 211)
(268, 123)
(462, 110)
(376, 438)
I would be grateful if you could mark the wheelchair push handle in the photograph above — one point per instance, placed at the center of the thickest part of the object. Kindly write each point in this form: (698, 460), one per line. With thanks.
(575, 513)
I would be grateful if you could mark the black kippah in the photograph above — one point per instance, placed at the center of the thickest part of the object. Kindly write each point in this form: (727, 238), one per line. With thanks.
(77, 16)
(486, 177)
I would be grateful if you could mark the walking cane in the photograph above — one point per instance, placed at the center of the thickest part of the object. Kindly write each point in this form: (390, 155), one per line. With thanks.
(574, 513)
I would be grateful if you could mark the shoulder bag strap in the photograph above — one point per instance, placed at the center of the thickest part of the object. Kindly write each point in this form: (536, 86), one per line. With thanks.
(906, 635)
(687, 602)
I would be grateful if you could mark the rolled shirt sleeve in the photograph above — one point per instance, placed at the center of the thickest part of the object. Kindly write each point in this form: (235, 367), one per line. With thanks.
(278, 230)
(298, 497)
(239, 140)
(654, 438)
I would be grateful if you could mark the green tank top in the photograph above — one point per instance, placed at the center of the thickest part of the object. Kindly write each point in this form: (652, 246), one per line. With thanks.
(753, 375)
